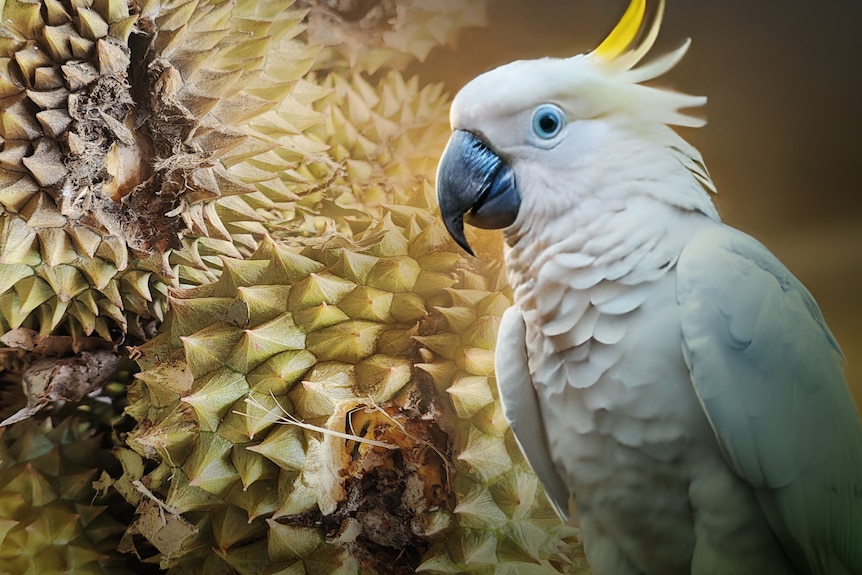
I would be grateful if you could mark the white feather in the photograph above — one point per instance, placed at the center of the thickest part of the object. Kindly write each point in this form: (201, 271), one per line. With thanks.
(521, 407)
(768, 373)
(610, 329)
(657, 67)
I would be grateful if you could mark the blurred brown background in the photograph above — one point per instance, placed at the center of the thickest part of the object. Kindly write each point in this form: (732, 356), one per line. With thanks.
(784, 81)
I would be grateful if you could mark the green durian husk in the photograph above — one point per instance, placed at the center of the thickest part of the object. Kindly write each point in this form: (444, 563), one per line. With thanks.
(357, 316)
(304, 277)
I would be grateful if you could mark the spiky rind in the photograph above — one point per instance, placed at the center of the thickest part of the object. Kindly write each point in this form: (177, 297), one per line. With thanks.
(134, 139)
(361, 276)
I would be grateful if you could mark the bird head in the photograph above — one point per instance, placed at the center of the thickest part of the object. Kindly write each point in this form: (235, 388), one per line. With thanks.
(533, 138)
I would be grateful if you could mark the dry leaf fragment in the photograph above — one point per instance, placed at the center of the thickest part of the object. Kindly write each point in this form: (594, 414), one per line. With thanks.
(160, 525)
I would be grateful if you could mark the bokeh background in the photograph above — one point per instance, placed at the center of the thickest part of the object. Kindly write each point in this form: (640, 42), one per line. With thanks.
(784, 139)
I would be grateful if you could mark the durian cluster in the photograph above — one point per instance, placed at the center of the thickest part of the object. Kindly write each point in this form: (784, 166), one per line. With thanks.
(316, 394)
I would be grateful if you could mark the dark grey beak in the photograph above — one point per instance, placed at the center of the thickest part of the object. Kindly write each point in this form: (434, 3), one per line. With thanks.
(474, 181)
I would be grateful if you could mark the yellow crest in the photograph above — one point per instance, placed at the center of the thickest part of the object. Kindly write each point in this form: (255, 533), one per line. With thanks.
(620, 46)
(624, 33)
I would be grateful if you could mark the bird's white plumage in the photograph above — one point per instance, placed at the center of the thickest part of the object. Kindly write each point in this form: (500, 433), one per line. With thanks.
(521, 407)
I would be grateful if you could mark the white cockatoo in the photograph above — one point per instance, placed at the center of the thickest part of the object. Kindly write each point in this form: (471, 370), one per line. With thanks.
(663, 369)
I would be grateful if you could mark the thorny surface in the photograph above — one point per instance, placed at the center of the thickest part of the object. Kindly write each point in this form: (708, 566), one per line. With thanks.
(159, 131)
(125, 152)
(103, 112)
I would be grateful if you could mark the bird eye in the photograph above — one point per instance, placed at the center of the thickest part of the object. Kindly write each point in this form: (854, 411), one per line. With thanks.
(548, 121)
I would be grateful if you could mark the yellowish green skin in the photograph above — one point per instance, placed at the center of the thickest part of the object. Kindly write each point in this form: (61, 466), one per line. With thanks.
(321, 332)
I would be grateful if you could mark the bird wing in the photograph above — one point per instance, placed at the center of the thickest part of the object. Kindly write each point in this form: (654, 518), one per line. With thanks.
(769, 375)
(521, 406)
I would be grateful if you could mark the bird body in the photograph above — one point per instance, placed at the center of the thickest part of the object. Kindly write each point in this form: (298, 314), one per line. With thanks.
(654, 493)
(661, 367)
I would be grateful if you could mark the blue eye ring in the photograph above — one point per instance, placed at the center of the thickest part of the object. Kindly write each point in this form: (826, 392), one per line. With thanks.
(548, 121)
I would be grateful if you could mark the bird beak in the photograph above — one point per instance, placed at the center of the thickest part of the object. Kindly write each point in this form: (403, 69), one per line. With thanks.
(475, 182)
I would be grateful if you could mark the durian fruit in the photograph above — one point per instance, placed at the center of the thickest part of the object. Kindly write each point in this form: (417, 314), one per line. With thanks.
(367, 35)
(381, 130)
(139, 142)
(52, 521)
(362, 318)
(381, 335)
(323, 406)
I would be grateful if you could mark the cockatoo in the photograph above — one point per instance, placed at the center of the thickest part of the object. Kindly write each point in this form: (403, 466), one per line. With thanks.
(661, 368)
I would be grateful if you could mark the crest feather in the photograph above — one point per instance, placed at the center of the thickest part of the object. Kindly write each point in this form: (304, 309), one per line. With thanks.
(621, 84)
(621, 50)
(624, 33)
(659, 66)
